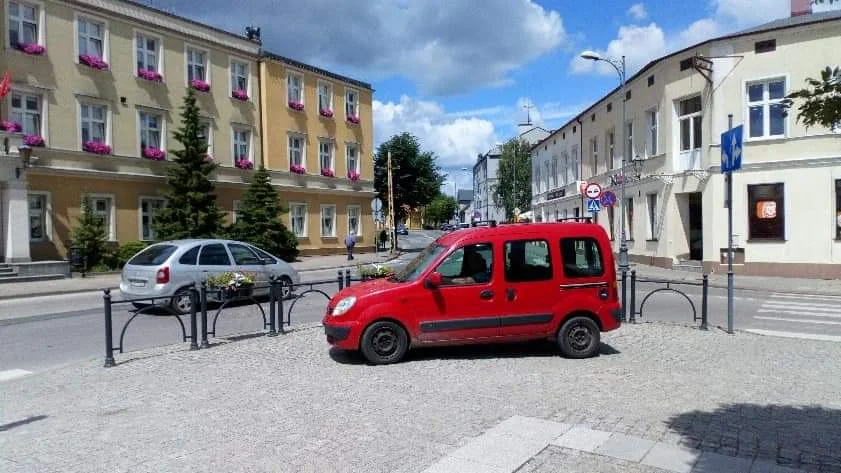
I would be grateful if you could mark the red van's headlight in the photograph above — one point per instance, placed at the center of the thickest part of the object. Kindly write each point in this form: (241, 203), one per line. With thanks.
(343, 305)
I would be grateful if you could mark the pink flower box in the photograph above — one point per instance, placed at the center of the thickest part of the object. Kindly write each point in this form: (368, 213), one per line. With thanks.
(326, 112)
(10, 126)
(208, 158)
(243, 163)
(200, 85)
(34, 141)
(353, 175)
(240, 94)
(93, 61)
(353, 119)
(155, 154)
(150, 75)
(96, 147)
(32, 49)
(298, 169)
(299, 106)
(328, 173)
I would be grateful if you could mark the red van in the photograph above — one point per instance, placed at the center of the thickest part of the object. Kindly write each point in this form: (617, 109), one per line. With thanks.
(486, 284)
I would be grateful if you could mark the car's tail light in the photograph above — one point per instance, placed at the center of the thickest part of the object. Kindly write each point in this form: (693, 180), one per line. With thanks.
(163, 275)
(614, 291)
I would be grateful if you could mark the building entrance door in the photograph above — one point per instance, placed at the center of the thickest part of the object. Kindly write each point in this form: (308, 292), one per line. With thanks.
(696, 232)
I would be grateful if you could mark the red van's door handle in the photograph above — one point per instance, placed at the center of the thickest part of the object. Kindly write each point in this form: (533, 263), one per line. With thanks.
(486, 294)
(510, 293)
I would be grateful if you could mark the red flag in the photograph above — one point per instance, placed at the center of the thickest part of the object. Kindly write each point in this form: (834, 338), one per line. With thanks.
(5, 85)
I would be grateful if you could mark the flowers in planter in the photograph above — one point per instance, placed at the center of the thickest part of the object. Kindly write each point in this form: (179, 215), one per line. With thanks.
(32, 49)
(295, 105)
(328, 173)
(150, 75)
(96, 147)
(243, 163)
(353, 119)
(298, 169)
(240, 94)
(353, 175)
(155, 154)
(230, 280)
(375, 271)
(326, 112)
(93, 61)
(33, 140)
(10, 126)
(200, 85)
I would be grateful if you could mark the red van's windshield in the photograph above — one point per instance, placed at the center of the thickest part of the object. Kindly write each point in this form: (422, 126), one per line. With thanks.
(418, 265)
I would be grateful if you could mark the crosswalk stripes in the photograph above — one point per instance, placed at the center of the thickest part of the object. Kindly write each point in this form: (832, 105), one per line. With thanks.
(9, 375)
(803, 312)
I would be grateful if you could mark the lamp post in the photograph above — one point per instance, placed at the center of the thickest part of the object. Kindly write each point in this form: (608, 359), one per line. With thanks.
(619, 65)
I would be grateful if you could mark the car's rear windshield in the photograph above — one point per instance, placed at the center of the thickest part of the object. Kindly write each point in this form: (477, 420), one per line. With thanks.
(153, 256)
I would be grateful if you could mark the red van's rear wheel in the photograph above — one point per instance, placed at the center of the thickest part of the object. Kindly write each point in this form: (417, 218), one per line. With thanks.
(384, 342)
(579, 337)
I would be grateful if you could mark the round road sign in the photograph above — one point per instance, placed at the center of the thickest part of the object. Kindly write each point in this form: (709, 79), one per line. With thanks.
(593, 190)
(376, 204)
(608, 199)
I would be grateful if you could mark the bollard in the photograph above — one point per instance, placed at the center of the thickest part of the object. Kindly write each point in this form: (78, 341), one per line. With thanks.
(341, 280)
(280, 320)
(347, 278)
(705, 287)
(109, 335)
(194, 301)
(624, 295)
(204, 342)
(633, 319)
(272, 301)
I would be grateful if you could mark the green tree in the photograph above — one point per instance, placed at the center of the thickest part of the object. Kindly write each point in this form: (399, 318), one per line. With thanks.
(416, 176)
(89, 233)
(513, 187)
(821, 100)
(191, 210)
(258, 219)
(441, 209)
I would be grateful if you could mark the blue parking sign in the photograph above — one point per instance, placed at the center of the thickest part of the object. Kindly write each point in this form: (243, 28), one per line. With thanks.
(731, 149)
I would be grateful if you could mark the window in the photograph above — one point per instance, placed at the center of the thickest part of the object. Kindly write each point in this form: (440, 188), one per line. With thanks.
(296, 150)
(294, 88)
(94, 121)
(575, 163)
(148, 209)
(38, 217)
(191, 256)
(537, 179)
(150, 130)
(650, 81)
(611, 148)
(581, 258)
(325, 155)
(235, 211)
(26, 110)
(651, 199)
(594, 154)
(325, 96)
(243, 255)
(214, 255)
(686, 64)
(352, 158)
(567, 168)
(765, 108)
(298, 217)
(239, 76)
(609, 107)
(766, 212)
(838, 209)
(196, 65)
(207, 131)
(242, 145)
(554, 172)
(147, 53)
(689, 115)
(527, 261)
(328, 220)
(352, 103)
(103, 209)
(471, 264)
(766, 46)
(154, 255)
(629, 218)
(610, 223)
(23, 24)
(629, 142)
(548, 175)
(651, 136)
(91, 36)
(353, 221)
(627, 95)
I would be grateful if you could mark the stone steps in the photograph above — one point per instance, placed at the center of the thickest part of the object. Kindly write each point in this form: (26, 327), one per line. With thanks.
(689, 266)
(14, 277)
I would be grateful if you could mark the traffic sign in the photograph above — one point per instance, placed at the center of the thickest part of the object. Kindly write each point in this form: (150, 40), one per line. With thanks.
(593, 205)
(376, 204)
(608, 199)
(731, 149)
(593, 190)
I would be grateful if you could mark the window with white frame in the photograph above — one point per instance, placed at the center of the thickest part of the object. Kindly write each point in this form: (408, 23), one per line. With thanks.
(26, 110)
(594, 154)
(298, 219)
(196, 65)
(651, 135)
(207, 132)
(575, 163)
(103, 208)
(766, 110)
(325, 96)
(150, 130)
(148, 208)
(353, 220)
(294, 88)
(629, 142)
(651, 200)
(242, 145)
(611, 149)
(537, 179)
(555, 172)
(325, 155)
(239, 76)
(94, 122)
(548, 175)
(352, 152)
(24, 22)
(296, 150)
(91, 37)
(328, 220)
(38, 217)
(352, 103)
(689, 116)
(147, 52)
(567, 168)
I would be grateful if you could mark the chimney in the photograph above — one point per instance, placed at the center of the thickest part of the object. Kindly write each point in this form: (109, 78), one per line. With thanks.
(801, 7)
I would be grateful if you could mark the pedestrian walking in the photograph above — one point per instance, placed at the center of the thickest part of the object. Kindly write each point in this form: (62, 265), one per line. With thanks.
(350, 242)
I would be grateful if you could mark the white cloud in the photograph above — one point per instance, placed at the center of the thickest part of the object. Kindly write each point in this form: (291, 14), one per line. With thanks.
(639, 45)
(742, 14)
(637, 11)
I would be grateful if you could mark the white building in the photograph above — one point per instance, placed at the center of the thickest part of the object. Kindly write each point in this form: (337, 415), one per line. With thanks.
(787, 196)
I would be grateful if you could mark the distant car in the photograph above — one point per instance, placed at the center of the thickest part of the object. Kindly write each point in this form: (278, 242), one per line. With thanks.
(168, 269)
(464, 225)
(402, 230)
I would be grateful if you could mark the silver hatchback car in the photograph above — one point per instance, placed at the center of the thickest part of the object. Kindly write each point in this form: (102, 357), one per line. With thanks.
(169, 268)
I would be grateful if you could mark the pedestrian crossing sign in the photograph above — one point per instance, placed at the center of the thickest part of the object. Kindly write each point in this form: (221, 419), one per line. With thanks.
(593, 205)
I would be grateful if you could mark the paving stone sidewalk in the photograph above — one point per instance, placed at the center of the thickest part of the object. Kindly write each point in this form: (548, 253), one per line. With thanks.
(288, 404)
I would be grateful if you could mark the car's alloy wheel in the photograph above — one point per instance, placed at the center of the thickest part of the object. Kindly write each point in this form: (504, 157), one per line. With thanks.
(384, 342)
(181, 302)
(579, 337)
(285, 287)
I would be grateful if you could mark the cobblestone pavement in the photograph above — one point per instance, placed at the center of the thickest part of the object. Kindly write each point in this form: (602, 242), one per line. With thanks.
(288, 404)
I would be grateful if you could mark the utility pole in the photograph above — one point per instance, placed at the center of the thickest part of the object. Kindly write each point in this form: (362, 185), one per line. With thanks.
(393, 228)
(729, 178)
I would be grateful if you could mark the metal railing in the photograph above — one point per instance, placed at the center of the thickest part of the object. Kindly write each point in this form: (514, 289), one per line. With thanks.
(668, 286)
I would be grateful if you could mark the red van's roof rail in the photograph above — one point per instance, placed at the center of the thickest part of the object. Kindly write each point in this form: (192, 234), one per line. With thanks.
(576, 219)
(483, 223)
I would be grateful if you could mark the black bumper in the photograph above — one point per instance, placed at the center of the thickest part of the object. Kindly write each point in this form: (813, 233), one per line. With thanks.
(336, 333)
(617, 314)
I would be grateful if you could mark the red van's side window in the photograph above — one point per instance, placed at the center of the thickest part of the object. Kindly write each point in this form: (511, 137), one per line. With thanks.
(581, 258)
(471, 264)
(527, 261)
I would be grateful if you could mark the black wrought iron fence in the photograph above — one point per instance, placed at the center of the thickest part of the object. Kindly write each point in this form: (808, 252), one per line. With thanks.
(668, 286)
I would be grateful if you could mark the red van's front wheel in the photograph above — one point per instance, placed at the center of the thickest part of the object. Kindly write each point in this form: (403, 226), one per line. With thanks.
(384, 342)
(579, 337)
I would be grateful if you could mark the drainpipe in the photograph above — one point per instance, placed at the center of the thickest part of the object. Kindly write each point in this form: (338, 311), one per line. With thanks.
(581, 159)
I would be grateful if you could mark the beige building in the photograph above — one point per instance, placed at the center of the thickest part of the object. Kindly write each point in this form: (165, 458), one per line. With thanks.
(787, 196)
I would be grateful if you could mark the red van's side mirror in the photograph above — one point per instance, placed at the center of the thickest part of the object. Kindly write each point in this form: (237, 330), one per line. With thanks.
(433, 280)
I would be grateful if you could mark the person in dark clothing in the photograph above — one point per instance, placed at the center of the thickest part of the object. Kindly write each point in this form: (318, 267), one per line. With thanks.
(350, 242)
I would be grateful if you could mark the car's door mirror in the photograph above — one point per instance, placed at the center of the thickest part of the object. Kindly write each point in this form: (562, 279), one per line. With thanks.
(433, 280)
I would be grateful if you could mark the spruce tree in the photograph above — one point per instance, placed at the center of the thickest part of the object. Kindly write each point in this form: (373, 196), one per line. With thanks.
(191, 210)
(89, 233)
(258, 219)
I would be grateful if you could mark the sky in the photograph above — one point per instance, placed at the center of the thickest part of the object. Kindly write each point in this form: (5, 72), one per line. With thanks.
(459, 73)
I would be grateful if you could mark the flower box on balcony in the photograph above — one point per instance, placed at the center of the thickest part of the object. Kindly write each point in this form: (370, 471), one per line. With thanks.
(243, 163)
(93, 61)
(299, 106)
(10, 126)
(96, 147)
(200, 85)
(240, 94)
(208, 158)
(297, 169)
(326, 112)
(34, 140)
(353, 175)
(150, 75)
(328, 173)
(353, 119)
(32, 49)
(155, 154)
